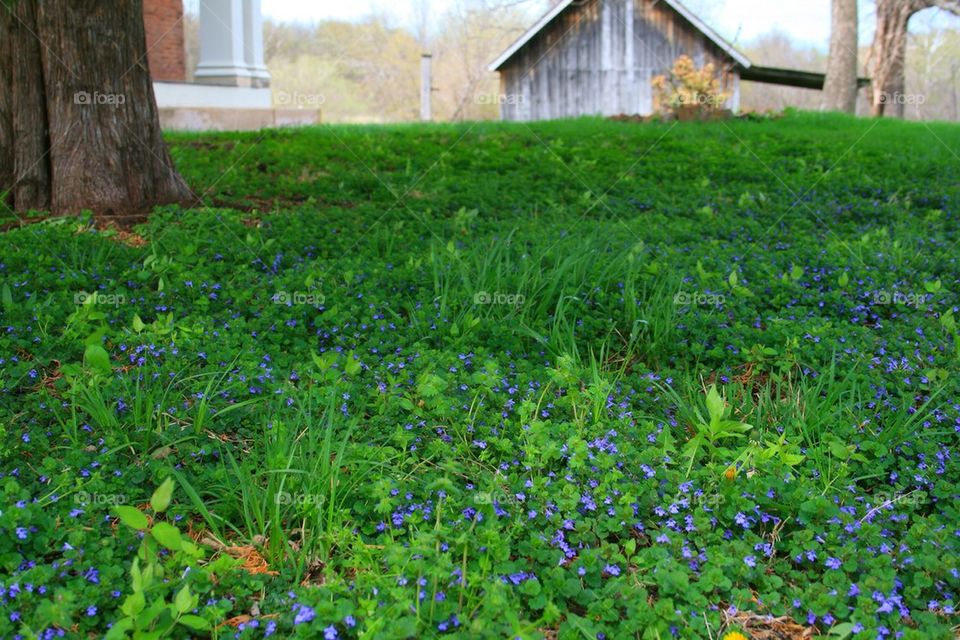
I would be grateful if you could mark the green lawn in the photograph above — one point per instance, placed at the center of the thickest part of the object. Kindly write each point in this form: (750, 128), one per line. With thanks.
(578, 379)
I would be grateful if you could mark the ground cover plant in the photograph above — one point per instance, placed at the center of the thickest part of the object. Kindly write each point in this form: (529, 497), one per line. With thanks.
(578, 379)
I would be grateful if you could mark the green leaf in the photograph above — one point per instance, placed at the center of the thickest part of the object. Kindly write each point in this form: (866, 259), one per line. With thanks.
(119, 629)
(134, 604)
(948, 321)
(167, 535)
(715, 405)
(184, 601)
(161, 497)
(844, 279)
(734, 426)
(132, 517)
(530, 587)
(194, 622)
(842, 630)
(7, 297)
(190, 549)
(136, 578)
(138, 324)
(838, 450)
(733, 279)
(151, 613)
(97, 358)
(325, 361)
(797, 272)
(352, 367)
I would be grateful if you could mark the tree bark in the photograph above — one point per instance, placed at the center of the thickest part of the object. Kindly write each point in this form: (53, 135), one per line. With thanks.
(85, 127)
(6, 109)
(31, 152)
(840, 87)
(888, 55)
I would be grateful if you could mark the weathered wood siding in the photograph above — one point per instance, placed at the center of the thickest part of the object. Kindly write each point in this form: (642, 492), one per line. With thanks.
(599, 58)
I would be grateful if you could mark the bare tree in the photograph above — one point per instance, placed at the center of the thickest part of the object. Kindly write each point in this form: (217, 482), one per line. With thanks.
(889, 51)
(840, 88)
(776, 49)
(80, 126)
(472, 33)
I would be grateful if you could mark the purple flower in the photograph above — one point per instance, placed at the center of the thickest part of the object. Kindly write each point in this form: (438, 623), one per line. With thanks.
(446, 625)
(330, 633)
(833, 563)
(750, 561)
(612, 570)
(304, 614)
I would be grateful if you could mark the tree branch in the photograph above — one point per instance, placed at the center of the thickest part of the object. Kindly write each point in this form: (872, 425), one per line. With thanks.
(953, 6)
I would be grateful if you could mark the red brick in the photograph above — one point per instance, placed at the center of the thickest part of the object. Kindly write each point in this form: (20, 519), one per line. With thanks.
(163, 21)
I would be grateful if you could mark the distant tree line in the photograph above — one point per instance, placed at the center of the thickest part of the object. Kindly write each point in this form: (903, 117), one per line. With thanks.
(369, 71)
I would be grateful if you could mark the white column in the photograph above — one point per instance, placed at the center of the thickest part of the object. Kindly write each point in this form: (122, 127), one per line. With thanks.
(253, 49)
(629, 61)
(222, 57)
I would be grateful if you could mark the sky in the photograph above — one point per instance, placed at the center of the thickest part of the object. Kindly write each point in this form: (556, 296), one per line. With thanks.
(807, 22)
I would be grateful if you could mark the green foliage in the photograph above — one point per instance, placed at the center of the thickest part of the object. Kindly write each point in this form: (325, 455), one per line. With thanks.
(160, 605)
(712, 429)
(494, 380)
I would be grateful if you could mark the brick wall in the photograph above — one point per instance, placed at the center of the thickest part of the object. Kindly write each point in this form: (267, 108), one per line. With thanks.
(163, 20)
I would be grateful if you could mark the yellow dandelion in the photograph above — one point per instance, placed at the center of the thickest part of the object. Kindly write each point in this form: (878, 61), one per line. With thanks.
(735, 635)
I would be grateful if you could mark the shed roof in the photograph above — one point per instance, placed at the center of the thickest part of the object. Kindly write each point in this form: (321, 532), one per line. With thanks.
(688, 15)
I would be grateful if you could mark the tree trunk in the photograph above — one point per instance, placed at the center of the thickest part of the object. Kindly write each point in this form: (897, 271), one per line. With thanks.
(6, 109)
(86, 130)
(888, 54)
(840, 88)
(31, 153)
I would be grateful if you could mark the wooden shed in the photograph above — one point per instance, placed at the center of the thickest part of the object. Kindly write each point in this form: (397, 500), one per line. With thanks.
(599, 57)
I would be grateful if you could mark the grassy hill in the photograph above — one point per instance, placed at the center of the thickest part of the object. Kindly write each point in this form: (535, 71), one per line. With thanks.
(576, 379)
